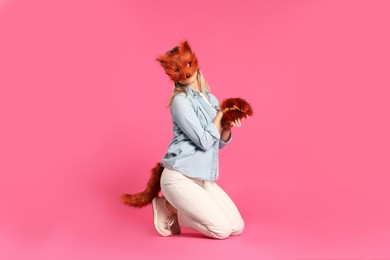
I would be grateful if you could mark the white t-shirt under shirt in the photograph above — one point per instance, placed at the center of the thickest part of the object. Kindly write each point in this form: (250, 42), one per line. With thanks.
(208, 102)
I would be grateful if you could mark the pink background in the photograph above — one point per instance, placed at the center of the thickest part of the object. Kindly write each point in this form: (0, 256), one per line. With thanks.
(84, 118)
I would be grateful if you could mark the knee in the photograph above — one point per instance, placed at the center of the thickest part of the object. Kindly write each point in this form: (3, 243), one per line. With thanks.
(238, 227)
(223, 234)
(221, 231)
(225, 229)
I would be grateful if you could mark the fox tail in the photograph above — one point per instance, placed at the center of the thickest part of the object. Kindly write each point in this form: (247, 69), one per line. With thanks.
(151, 191)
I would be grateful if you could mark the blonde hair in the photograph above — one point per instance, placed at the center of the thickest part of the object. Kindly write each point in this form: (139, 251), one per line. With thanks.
(179, 88)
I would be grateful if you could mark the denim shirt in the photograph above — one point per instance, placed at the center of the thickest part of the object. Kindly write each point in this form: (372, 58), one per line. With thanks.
(196, 141)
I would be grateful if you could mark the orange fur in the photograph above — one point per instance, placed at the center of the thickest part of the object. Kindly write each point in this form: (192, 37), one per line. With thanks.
(234, 108)
(180, 62)
(145, 197)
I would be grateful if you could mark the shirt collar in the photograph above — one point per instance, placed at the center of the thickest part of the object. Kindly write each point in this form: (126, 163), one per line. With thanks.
(193, 91)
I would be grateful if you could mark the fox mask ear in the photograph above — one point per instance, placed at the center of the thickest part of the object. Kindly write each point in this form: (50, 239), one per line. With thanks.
(162, 59)
(180, 49)
(185, 46)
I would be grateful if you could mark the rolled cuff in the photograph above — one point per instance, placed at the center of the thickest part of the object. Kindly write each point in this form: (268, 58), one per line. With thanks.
(223, 143)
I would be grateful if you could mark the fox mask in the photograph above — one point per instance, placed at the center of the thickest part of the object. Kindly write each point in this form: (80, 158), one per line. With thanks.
(179, 63)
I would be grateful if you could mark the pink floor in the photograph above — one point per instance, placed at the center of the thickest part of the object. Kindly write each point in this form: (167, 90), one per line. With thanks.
(117, 232)
(83, 119)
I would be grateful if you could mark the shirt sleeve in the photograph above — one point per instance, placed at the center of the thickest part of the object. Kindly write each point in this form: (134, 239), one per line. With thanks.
(184, 116)
(223, 143)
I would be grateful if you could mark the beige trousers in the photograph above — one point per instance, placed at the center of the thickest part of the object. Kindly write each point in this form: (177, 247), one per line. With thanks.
(201, 205)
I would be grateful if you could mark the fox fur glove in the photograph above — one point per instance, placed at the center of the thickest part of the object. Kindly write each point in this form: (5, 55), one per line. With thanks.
(234, 108)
